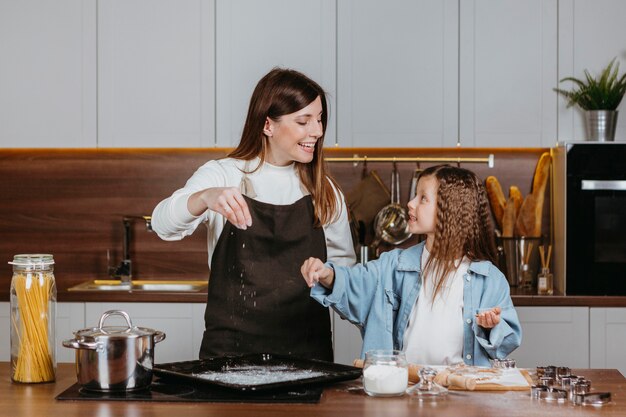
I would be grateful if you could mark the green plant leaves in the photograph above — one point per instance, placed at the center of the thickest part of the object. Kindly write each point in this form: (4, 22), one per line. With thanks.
(603, 93)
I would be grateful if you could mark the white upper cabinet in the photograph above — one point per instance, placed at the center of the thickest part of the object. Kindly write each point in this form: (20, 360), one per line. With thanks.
(47, 73)
(397, 73)
(508, 52)
(591, 34)
(254, 36)
(155, 73)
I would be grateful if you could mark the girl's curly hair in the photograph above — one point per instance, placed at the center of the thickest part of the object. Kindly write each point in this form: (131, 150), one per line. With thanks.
(463, 225)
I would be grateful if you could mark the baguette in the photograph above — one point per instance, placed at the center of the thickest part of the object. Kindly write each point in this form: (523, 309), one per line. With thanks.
(516, 195)
(525, 223)
(508, 219)
(496, 199)
(540, 181)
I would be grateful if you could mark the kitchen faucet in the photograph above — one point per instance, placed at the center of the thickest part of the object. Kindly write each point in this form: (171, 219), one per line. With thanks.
(123, 272)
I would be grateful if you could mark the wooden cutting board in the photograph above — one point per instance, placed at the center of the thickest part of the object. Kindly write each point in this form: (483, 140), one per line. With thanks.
(500, 387)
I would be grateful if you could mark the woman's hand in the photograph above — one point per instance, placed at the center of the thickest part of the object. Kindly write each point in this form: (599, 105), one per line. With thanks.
(226, 201)
(313, 270)
(489, 319)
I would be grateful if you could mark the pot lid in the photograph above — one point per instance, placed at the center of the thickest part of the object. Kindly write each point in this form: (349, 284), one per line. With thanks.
(116, 332)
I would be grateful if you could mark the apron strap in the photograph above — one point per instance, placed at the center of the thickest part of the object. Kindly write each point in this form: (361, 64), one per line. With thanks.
(246, 188)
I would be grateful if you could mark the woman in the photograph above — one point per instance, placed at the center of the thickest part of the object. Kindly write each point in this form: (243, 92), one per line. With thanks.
(268, 206)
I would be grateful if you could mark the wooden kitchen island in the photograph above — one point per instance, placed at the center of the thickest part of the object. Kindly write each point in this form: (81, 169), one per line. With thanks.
(343, 399)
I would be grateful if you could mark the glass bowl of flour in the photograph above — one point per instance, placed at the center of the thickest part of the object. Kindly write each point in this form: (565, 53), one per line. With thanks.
(385, 373)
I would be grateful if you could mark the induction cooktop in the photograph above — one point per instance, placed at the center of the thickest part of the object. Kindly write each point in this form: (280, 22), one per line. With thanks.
(164, 390)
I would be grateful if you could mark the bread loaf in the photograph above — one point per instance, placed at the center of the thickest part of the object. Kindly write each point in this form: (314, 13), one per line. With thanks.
(508, 219)
(540, 181)
(496, 199)
(516, 195)
(525, 223)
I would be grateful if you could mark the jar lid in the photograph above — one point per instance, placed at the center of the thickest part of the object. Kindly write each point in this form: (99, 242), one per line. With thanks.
(32, 259)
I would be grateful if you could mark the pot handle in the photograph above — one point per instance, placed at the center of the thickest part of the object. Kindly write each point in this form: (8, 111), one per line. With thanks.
(109, 313)
(77, 344)
(158, 337)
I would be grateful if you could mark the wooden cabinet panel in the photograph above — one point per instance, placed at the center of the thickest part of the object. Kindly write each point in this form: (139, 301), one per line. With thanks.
(553, 336)
(508, 69)
(155, 73)
(608, 338)
(397, 73)
(254, 36)
(591, 33)
(48, 74)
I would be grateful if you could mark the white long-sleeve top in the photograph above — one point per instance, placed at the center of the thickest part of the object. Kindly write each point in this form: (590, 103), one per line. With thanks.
(277, 185)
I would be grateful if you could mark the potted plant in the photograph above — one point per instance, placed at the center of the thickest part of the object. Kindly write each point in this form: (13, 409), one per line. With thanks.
(599, 98)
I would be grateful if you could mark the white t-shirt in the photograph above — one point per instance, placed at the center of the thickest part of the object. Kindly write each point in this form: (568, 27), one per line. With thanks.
(279, 185)
(434, 335)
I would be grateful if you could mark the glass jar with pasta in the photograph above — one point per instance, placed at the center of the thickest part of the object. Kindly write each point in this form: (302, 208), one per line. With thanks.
(33, 314)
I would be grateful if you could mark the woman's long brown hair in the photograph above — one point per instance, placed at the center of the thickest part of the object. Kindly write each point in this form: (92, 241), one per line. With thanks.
(463, 225)
(282, 92)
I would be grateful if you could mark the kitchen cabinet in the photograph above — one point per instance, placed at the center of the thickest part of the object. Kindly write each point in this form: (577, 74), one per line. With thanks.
(182, 323)
(254, 36)
(48, 74)
(397, 73)
(608, 338)
(156, 73)
(553, 336)
(508, 53)
(591, 33)
(172, 73)
(70, 317)
(347, 340)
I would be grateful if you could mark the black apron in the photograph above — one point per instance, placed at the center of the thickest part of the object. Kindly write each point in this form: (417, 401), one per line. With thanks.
(258, 301)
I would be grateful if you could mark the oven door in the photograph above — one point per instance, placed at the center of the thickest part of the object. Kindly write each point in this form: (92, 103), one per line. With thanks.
(596, 237)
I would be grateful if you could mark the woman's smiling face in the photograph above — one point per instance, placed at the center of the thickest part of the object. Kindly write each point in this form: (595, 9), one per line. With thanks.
(294, 136)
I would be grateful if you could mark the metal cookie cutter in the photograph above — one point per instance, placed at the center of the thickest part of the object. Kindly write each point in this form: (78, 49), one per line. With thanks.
(543, 392)
(592, 398)
(502, 363)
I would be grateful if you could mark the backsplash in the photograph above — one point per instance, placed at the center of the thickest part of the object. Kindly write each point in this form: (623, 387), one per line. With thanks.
(71, 202)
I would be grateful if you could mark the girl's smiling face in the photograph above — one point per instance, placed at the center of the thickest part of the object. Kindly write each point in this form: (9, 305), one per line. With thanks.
(423, 208)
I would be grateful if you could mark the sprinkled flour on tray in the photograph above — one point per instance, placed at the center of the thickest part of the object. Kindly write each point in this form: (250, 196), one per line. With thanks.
(252, 375)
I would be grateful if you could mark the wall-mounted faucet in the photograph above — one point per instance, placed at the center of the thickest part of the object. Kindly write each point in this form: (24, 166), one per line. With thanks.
(123, 271)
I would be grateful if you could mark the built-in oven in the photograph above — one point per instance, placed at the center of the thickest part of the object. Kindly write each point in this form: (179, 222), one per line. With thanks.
(590, 217)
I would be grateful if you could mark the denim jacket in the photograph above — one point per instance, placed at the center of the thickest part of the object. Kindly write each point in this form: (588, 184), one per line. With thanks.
(378, 297)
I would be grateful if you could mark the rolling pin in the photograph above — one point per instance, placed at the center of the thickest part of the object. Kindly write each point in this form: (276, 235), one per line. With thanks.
(444, 378)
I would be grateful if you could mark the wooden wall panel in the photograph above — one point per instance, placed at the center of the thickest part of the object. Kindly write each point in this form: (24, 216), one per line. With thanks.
(70, 203)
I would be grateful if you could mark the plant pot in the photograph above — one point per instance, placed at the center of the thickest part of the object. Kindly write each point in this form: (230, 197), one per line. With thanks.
(600, 125)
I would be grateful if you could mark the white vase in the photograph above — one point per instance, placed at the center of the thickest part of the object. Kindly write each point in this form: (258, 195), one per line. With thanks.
(600, 125)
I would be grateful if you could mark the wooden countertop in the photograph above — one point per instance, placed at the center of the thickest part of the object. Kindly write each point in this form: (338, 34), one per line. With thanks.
(345, 400)
(521, 298)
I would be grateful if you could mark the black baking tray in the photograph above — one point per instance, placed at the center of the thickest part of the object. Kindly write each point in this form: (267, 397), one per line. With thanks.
(255, 372)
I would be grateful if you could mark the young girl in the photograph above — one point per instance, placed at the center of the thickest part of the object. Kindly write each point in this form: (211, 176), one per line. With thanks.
(442, 301)
(267, 206)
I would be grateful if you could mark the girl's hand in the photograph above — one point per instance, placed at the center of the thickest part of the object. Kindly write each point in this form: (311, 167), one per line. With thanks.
(313, 270)
(226, 201)
(489, 319)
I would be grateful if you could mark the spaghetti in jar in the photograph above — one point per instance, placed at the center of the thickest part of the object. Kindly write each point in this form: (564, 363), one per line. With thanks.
(33, 314)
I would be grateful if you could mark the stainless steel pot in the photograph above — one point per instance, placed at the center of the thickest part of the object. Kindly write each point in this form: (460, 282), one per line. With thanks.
(114, 358)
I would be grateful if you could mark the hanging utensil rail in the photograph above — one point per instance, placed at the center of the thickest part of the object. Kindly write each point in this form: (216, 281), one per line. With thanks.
(489, 160)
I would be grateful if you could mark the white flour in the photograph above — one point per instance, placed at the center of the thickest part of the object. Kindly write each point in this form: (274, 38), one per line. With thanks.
(385, 379)
(258, 375)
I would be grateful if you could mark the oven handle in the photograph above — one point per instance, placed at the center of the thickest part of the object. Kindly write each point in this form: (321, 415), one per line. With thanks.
(616, 185)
